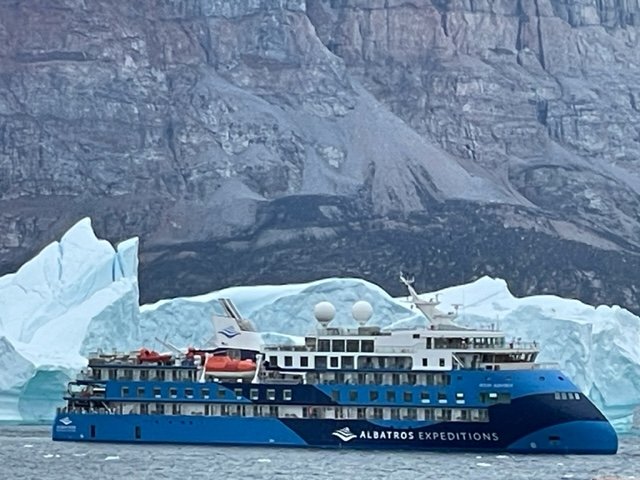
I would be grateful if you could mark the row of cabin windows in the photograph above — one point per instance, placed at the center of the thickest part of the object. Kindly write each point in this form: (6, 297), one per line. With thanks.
(336, 395)
(378, 378)
(320, 362)
(354, 346)
(392, 396)
(320, 412)
(142, 374)
(339, 345)
(484, 342)
(348, 363)
(566, 396)
(204, 393)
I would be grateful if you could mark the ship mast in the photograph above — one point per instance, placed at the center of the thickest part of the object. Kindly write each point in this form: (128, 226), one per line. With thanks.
(436, 317)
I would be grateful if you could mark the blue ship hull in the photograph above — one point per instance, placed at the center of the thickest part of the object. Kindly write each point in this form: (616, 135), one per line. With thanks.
(528, 425)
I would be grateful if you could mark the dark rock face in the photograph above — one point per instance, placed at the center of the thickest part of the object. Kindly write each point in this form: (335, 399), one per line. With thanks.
(284, 140)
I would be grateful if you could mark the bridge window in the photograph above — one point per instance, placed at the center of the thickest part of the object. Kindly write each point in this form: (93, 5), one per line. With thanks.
(173, 392)
(424, 397)
(334, 362)
(425, 362)
(442, 362)
(271, 394)
(124, 392)
(335, 395)
(352, 346)
(253, 394)
(324, 345)
(442, 397)
(205, 393)
(338, 346)
(408, 396)
(367, 345)
(238, 393)
(304, 361)
(140, 391)
(391, 396)
(188, 392)
(373, 395)
(353, 395)
(288, 361)
(286, 395)
(347, 363)
(156, 392)
(321, 362)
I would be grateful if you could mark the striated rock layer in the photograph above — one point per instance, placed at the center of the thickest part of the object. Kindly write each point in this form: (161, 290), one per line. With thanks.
(284, 140)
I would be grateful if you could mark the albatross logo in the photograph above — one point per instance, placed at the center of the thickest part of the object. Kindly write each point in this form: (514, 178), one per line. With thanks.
(344, 434)
(229, 332)
(66, 421)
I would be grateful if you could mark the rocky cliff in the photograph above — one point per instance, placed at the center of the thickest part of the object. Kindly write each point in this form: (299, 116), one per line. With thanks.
(283, 140)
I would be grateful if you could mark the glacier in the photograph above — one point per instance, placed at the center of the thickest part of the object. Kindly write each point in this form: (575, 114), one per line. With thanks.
(80, 294)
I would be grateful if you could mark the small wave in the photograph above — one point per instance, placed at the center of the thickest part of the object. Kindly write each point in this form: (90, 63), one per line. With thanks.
(567, 475)
(48, 455)
(483, 464)
(79, 454)
(112, 457)
(28, 445)
(264, 460)
(502, 456)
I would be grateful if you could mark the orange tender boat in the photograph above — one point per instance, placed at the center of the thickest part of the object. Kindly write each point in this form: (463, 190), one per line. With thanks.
(145, 355)
(224, 366)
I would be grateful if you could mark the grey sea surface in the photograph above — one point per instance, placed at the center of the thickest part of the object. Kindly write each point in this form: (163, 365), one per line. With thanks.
(27, 452)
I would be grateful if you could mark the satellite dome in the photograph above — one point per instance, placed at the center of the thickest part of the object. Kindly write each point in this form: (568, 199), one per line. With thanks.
(362, 311)
(324, 312)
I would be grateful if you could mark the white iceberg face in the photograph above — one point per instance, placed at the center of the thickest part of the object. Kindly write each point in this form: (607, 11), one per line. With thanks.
(81, 295)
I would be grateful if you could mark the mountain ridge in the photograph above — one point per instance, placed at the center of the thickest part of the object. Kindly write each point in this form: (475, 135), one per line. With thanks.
(475, 136)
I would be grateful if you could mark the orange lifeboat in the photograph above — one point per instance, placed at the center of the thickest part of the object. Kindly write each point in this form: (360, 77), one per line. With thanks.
(145, 355)
(224, 366)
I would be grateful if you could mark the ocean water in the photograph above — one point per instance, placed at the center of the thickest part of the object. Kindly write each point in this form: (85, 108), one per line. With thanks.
(29, 453)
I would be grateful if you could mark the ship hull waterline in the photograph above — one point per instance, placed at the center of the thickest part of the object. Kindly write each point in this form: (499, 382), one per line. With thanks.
(574, 437)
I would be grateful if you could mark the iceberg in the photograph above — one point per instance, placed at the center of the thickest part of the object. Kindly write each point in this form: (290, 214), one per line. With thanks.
(81, 295)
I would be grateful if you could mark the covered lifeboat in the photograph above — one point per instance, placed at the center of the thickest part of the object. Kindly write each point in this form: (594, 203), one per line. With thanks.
(147, 356)
(223, 366)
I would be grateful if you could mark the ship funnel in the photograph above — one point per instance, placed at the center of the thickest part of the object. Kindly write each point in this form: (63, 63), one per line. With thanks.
(324, 313)
(362, 312)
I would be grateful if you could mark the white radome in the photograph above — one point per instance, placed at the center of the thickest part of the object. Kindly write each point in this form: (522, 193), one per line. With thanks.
(362, 311)
(324, 312)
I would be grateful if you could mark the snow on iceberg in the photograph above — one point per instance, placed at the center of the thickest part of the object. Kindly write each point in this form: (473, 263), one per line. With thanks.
(54, 309)
(81, 294)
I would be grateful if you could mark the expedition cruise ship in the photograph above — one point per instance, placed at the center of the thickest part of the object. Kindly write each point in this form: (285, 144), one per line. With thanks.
(444, 387)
